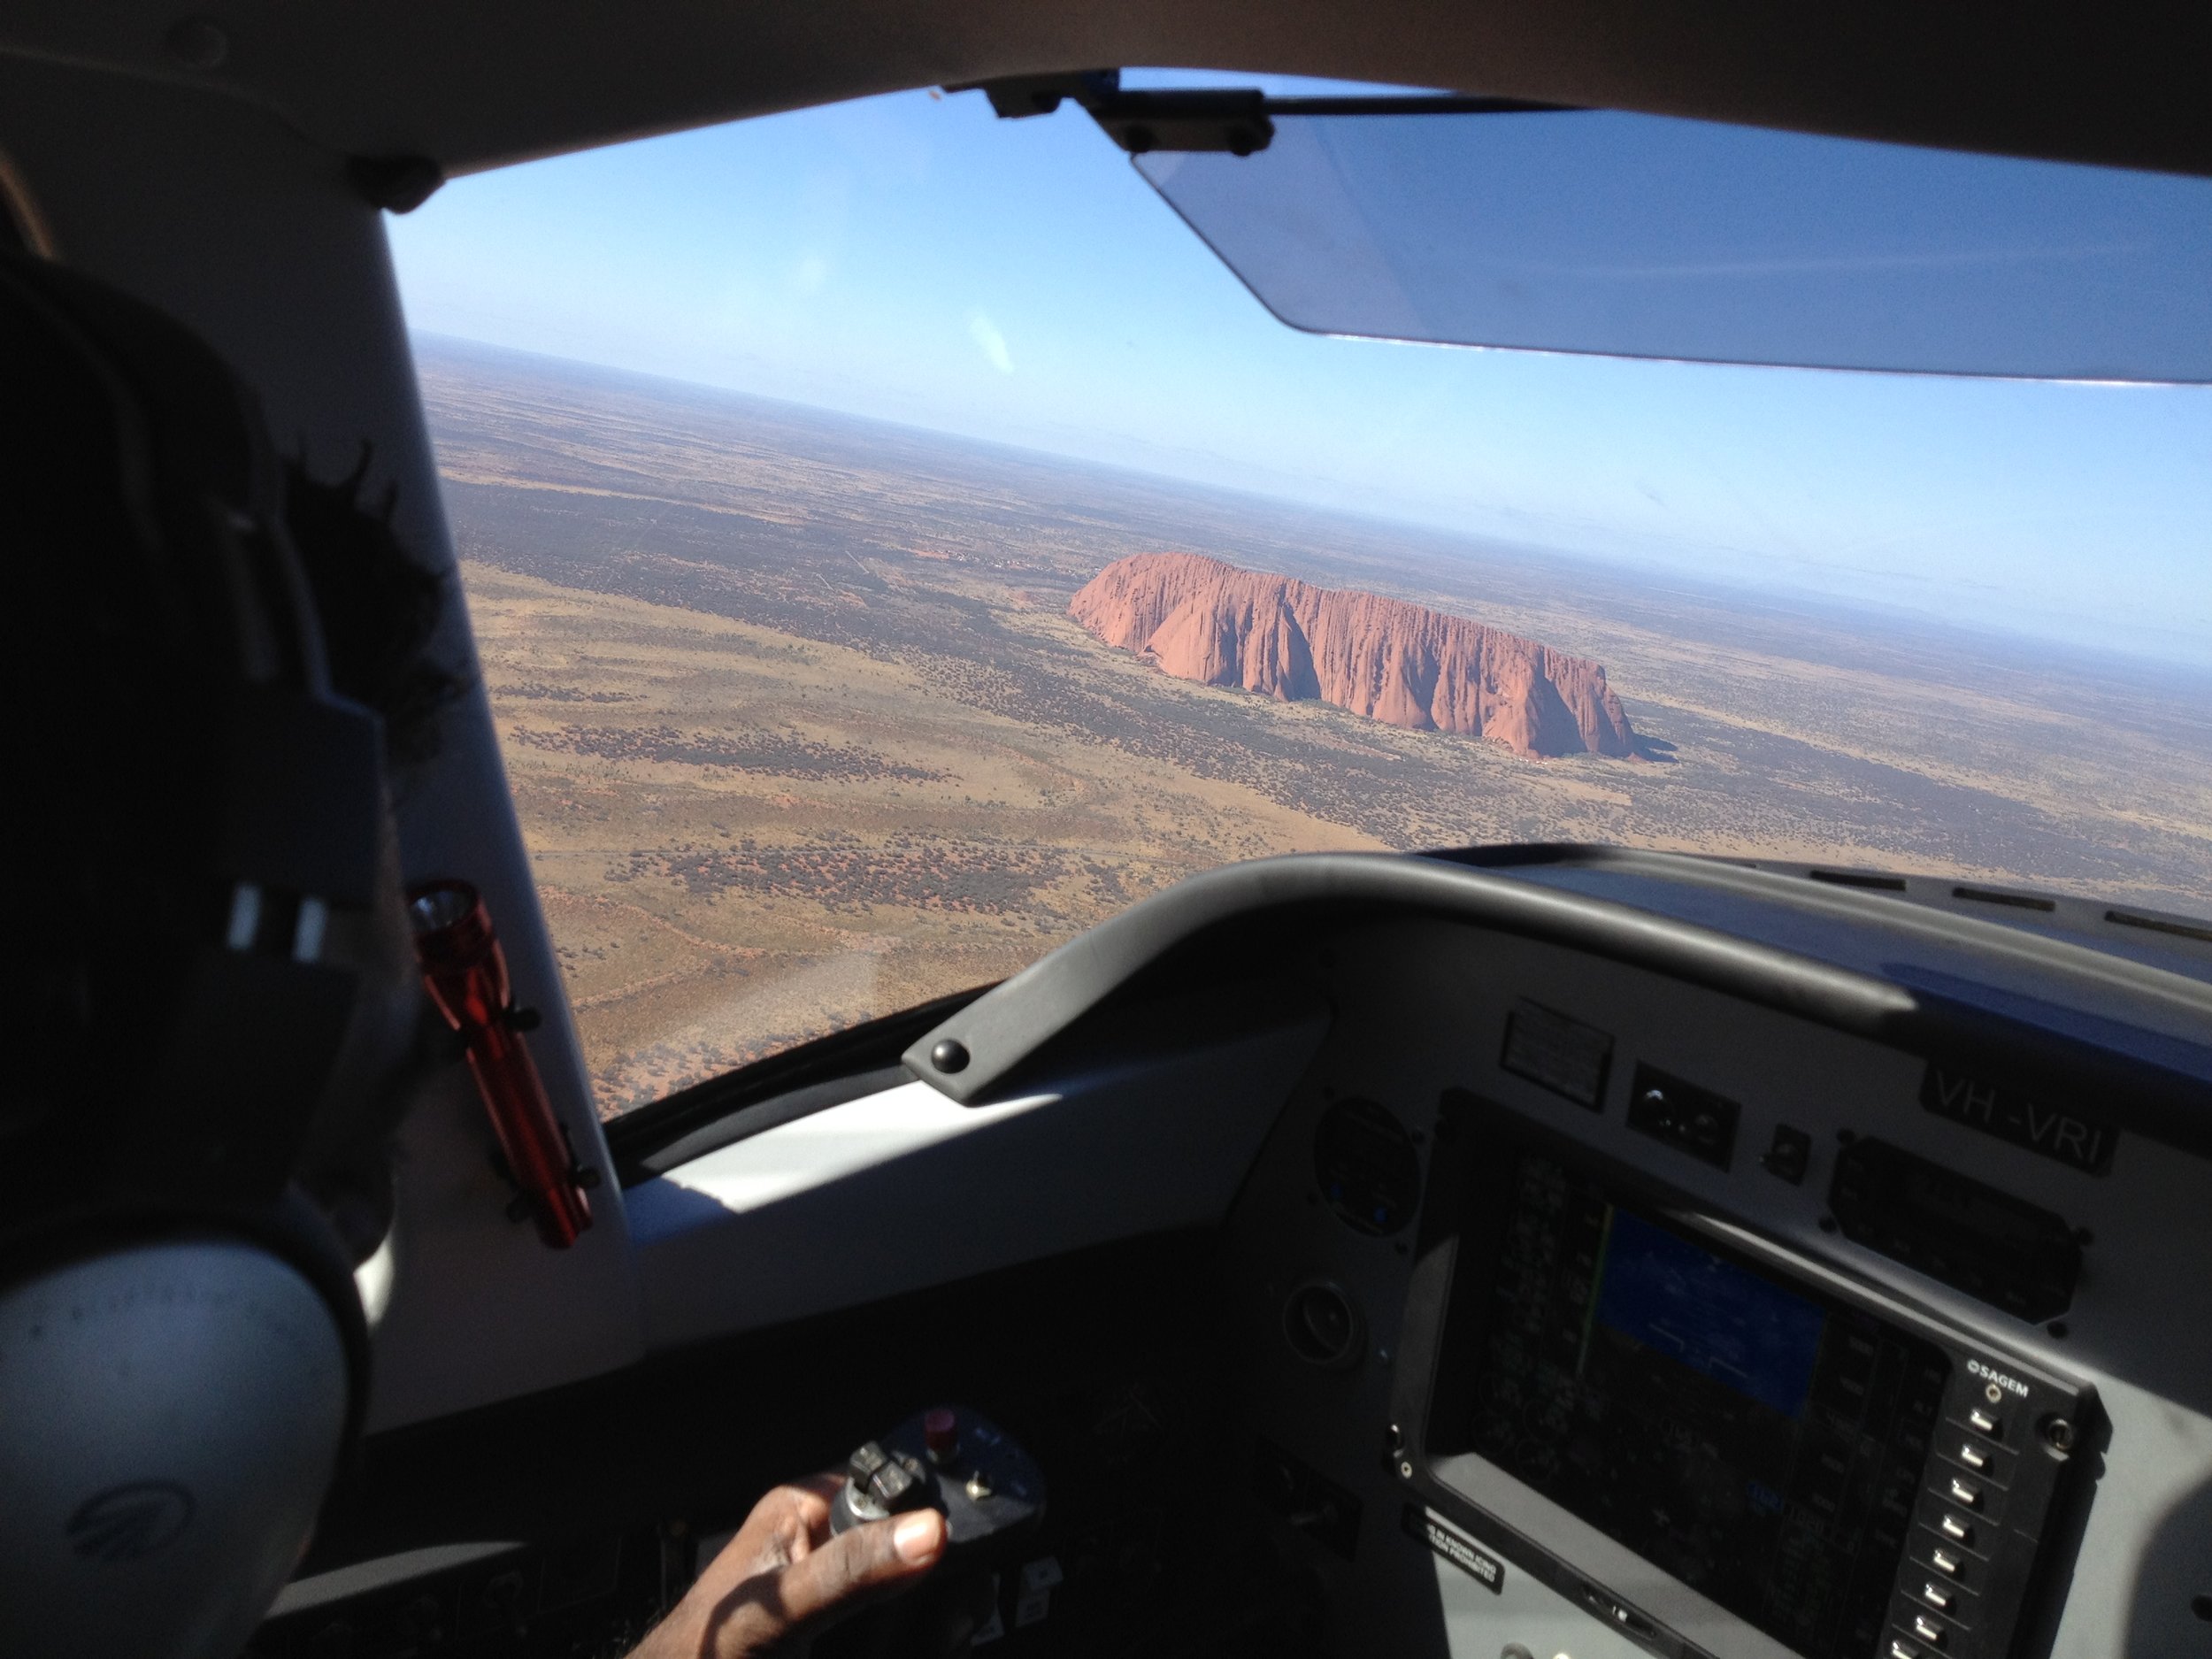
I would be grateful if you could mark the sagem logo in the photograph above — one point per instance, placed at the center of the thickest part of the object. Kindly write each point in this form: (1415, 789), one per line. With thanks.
(2011, 1385)
(130, 1522)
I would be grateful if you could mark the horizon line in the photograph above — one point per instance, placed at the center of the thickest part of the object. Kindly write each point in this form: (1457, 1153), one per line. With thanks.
(1657, 574)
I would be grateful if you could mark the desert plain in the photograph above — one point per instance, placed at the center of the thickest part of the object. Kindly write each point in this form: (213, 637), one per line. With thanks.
(801, 731)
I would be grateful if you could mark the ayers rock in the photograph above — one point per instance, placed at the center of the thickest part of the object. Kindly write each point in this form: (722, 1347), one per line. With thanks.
(1201, 619)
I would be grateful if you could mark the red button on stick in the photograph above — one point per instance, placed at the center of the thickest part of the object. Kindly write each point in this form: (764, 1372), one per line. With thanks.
(941, 1433)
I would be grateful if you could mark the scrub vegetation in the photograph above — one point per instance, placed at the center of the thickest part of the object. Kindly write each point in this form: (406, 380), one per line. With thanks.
(801, 733)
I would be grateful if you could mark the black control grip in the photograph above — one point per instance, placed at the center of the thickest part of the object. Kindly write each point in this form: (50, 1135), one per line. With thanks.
(959, 1461)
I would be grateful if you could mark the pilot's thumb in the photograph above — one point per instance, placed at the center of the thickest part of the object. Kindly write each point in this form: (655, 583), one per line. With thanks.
(861, 1566)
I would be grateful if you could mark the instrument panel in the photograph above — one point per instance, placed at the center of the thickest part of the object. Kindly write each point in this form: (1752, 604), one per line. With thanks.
(1535, 1290)
(1840, 1475)
(1717, 1333)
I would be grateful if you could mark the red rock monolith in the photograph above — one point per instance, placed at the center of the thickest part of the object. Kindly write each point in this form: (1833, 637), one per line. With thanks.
(1200, 618)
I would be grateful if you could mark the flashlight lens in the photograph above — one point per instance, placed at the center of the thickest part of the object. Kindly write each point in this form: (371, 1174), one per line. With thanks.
(441, 907)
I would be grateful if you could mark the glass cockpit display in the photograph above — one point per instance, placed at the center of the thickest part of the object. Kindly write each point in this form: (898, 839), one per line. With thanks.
(1755, 1440)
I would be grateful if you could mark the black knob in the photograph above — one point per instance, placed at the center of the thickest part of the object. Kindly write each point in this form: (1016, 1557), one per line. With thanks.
(894, 1486)
(864, 1462)
(950, 1056)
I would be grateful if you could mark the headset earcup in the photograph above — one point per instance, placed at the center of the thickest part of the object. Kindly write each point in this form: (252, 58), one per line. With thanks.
(170, 1413)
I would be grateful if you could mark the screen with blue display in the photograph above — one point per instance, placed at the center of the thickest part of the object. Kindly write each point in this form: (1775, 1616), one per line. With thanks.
(1748, 1435)
(1678, 1299)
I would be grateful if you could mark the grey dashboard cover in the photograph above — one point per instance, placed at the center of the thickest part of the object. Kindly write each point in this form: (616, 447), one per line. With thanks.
(1826, 955)
(1003, 1030)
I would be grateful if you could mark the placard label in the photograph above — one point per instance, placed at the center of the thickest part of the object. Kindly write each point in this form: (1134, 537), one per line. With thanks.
(1565, 1056)
(1456, 1546)
(2058, 1133)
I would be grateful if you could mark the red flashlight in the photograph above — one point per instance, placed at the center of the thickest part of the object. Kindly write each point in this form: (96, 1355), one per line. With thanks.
(466, 974)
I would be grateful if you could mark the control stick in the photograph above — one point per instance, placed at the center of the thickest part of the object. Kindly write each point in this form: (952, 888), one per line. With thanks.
(959, 1461)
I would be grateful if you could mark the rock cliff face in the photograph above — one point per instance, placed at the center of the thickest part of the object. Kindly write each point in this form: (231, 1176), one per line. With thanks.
(1199, 618)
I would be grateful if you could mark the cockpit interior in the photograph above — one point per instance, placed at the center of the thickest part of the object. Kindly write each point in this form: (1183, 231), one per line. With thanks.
(1539, 1249)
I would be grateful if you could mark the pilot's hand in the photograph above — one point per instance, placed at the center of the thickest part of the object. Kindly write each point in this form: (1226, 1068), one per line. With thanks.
(783, 1577)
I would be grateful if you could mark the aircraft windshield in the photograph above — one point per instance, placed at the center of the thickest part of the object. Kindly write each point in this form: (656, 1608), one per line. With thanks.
(895, 544)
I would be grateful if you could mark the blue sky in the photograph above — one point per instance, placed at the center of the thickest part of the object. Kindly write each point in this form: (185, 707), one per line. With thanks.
(914, 259)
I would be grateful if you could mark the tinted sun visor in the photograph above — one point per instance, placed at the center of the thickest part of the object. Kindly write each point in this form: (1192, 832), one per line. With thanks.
(1644, 236)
